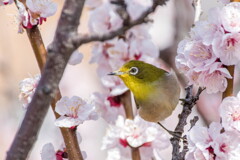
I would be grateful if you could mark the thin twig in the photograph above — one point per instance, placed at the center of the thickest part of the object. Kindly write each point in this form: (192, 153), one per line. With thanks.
(188, 103)
(69, 135)
(82, 39)
(58, 56)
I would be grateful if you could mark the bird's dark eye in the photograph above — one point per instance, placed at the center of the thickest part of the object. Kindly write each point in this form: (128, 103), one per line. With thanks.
(133, 71)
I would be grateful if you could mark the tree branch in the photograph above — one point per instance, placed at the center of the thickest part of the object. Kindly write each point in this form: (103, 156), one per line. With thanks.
(229, 89)
(82, 39)
(58, 55)
(188, 104)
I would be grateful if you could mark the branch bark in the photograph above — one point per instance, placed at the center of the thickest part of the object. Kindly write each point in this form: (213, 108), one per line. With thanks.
(188, 104)
(58, 56)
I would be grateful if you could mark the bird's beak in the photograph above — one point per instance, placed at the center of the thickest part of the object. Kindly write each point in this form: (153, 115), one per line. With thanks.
(116, 73)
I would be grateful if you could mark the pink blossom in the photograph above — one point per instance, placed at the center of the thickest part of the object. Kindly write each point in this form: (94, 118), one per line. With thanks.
(206, 31)
(108, 106)
(214, 79)
(75, 58)
(41, 8)
(230, 113)
(48, 152)
(104, 19)
(135, 133)
(27, 88)
(74, 111)
(227, 48)
(230, 16)
(212, 143)
(136, 7)
(6, 2)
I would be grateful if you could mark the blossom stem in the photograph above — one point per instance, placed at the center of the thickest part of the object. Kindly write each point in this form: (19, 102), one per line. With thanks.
(127, 103)
(69, 136)
(229, 89)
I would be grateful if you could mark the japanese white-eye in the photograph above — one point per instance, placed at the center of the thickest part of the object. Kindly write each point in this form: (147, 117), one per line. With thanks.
(156, 91)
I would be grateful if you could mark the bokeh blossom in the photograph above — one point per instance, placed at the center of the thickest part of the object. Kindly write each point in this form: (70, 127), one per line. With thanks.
(74, 111)
(230, 113)
(213, 44)
(134, 133)
(104, 19)
(212, 143)
(27, 88)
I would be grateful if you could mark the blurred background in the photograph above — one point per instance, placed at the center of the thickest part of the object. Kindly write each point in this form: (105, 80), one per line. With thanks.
(17, 62)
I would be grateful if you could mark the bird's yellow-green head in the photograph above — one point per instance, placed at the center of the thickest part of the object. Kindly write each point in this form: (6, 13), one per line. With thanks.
(138, 75)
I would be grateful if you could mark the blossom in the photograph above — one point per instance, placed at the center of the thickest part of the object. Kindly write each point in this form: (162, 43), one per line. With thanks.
(27, 88)
(212, 143)
(230, 112)
(74, 111)
(41, 8)
(108, 106)
(227, 48)
(48, 152)
(6, 2)
(75, 58)
(135, 133)
(230, 17)
(214, 79)
(104, 19)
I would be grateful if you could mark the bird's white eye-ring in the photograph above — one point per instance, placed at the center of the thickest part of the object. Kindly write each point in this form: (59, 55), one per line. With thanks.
(133, 71)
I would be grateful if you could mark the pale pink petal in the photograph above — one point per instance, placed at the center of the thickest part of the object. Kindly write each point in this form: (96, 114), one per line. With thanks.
(75, 58)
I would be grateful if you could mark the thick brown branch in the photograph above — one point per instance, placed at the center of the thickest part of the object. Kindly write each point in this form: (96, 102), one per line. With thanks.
(229, 89)
(81, 39)
(188, 104)
(58, 56)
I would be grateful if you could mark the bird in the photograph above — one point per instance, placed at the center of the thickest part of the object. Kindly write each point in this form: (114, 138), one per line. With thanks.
(156, 91)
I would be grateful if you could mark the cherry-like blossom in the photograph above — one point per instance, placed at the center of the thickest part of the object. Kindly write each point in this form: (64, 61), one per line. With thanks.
(41, 8)
(230, 16)
(108, 106)
(212, 143)
(75, 58)
(104, 19)
(227, 48)
(36, 12)
(93, 3)
(49, 153)
(27, 88)
(135, 133)
(230, 113)
(74, 111)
